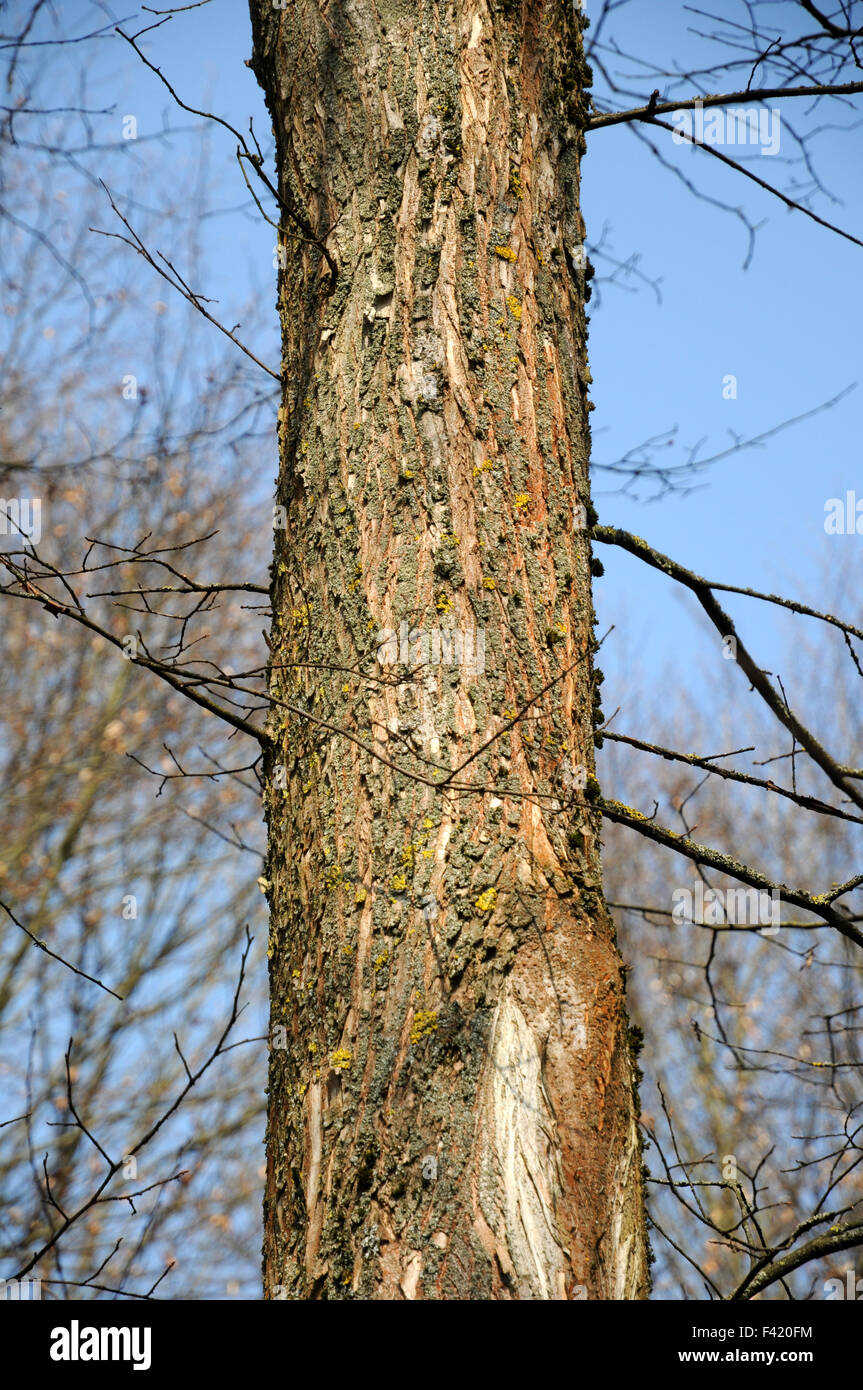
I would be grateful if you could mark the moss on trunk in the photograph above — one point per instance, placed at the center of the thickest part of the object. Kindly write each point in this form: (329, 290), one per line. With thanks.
(452, 1100)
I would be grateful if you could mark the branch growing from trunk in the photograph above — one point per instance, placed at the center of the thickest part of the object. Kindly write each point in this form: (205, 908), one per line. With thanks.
(702, 589)
(819, 903)
(661, 108)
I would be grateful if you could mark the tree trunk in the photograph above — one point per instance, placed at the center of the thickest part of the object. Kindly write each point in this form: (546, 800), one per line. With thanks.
(452, 1092)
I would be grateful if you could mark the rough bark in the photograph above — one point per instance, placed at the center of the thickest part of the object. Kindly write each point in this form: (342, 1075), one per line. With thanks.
(452, 1097)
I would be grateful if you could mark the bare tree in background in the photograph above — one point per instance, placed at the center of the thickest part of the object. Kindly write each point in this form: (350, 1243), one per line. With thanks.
(752, 1101)
(132, 431)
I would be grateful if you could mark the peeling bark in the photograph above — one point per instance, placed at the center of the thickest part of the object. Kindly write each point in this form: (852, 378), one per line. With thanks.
(453, 1113)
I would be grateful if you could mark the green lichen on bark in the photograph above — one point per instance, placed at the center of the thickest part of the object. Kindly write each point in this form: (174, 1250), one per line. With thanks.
(435, 426)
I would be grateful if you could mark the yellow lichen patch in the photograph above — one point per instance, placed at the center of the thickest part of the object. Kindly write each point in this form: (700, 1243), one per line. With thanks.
(505, 253)
(486, 901)
(488, 583)
(444, 604)
(514, 306)
(398, 883)
(380, 961)
(424, 1024)
(521, 500)
(341, 1059)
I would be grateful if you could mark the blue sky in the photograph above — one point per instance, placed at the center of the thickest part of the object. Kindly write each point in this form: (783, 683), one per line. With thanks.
(786, 327)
